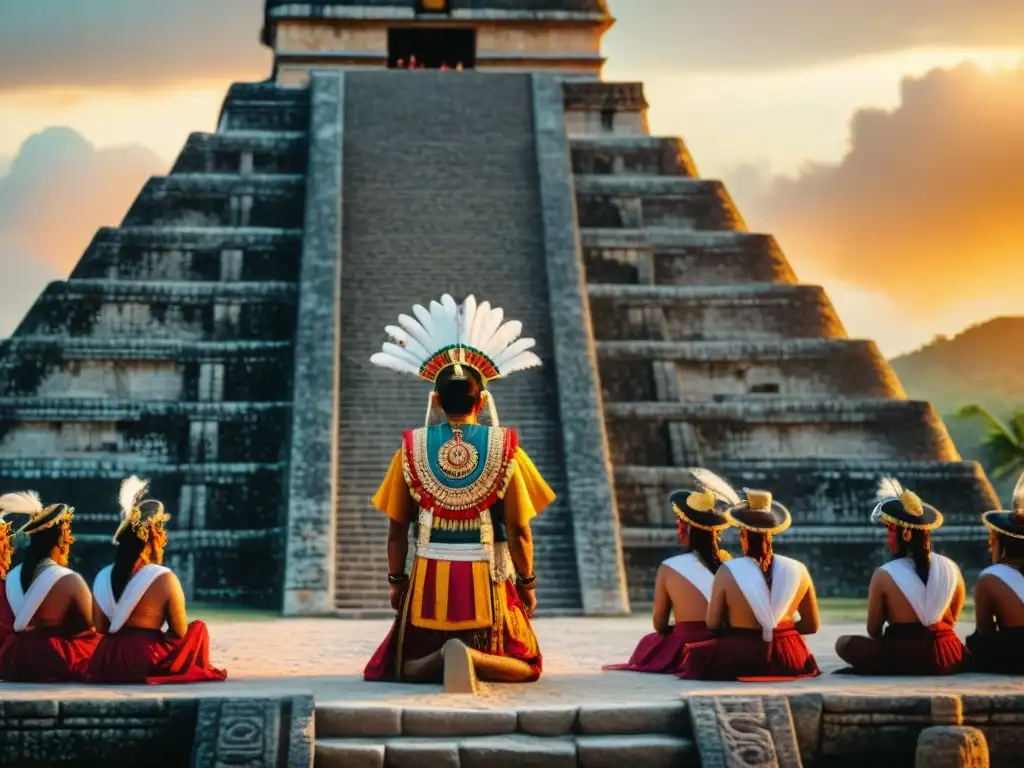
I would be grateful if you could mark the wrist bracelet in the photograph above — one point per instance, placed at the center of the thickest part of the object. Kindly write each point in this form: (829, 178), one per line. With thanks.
(394, 579)
(528, 582)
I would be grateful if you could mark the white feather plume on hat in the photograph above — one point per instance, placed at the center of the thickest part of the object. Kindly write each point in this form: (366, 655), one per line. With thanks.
(132, 490)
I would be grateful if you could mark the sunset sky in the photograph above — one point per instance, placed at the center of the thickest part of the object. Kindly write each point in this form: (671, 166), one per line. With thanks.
(882, 141)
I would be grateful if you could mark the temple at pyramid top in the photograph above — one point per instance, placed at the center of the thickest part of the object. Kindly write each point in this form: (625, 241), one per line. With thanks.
(560, 36)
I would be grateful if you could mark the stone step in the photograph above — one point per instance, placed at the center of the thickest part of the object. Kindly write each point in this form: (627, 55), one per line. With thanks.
(179, 291)
(752, 312)
(613, 201)
(738, 370)
(87, 348)
(683, 256)
(119, 467)
(598, 95)
(264, 106)
(220, 200)
(633, 155)
(509, 751)
(244, 152)
(192, 254)
(36, 409)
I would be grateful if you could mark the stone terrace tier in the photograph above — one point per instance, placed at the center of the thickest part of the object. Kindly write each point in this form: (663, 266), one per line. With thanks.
(712, 354)
(168, 353)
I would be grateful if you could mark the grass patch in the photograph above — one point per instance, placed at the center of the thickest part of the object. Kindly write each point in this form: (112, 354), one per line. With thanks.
(218, 612)
(856, 609)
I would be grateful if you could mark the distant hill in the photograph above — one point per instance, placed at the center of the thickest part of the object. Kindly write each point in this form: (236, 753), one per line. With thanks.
(983, 364)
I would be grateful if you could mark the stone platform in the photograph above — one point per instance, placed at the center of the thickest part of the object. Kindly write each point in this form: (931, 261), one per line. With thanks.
(576, 715)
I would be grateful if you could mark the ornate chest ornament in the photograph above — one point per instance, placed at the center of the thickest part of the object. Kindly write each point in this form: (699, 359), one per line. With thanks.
(457, 458)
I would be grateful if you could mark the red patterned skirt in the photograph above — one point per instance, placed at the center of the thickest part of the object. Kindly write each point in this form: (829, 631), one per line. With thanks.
(663, 653)
(997, 652)
(46, 655)
(743, 654)
(134, 655)
(905, 649)
(509, 635)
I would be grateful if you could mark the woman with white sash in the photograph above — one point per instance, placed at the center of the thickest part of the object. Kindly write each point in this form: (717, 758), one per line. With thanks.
(998, 636)
(683, 584)
(136, 596)
(753, 603)
(914, 599)
(52, 638)
(6, 552)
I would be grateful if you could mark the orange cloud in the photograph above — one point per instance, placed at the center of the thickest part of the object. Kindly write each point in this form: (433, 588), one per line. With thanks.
(927, 205)
(60, 189)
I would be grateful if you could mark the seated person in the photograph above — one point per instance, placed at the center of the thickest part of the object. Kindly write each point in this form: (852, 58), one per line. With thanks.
(753, 602)
(683, 583)
(52, 637)
(6, 550)
(999, 593)
(135, 596)
(914, 600)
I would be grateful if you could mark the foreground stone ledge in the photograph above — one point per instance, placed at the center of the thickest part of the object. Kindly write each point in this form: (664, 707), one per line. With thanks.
(632, 719)
(648, 750)
(951, 747)
(458, 722)
(548, 721)
(338, 720)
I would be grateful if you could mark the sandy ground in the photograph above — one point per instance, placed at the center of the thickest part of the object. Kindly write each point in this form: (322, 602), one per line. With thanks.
(326, 657)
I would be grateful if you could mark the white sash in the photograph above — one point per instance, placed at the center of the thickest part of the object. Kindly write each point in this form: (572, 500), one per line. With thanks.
(1011, 577)
(25, 604)
(930, 600)
(694, 571)
(768, 609)
(119, 611)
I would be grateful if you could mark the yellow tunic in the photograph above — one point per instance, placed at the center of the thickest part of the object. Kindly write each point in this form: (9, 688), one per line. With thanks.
(526, 496)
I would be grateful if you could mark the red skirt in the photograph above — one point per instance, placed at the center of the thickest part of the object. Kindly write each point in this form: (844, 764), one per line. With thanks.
(6, 615)
(663, 653)
(134, 655)
(742, 654)
(997, 652)
(905, 649)
(46, 655)
(511, 636)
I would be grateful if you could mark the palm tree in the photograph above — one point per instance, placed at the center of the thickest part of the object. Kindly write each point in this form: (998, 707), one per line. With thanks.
(1002, 441)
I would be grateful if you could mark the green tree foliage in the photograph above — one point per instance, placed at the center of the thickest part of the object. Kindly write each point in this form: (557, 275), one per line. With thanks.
(1002, 441)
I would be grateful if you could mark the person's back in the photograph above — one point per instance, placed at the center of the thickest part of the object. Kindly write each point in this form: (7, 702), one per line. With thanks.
(471, 492)
(914, 600)
(753, 601)
(682, 586)
(999, 593)
(52, 637)
(136, 596)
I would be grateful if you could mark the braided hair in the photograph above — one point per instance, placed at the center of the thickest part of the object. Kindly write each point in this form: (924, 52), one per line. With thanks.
(705, 544)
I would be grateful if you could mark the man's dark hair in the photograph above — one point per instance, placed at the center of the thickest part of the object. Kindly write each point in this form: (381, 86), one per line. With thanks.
(919, 549)
(1013, 548)
(39, 547)
(458, 396)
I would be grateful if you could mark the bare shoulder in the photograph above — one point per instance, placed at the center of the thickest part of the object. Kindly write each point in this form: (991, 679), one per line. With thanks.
(75, 584)
(168, 582)
(881, 577)
(724, 576)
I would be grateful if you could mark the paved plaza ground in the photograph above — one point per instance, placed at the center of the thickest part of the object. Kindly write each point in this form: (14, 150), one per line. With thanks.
(326, 657)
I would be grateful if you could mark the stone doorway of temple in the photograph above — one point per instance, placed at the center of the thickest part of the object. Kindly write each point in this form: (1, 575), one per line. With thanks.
(433, 47)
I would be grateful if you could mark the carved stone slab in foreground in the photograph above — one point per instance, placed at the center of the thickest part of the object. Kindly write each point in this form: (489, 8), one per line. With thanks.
(218, 340)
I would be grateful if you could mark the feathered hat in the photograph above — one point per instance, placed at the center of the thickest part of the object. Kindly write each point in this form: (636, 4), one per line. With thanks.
(704, 508)
(903, 508)
(136, 513)
(469, 335)
(759, 512)
(40, 518)
(1009, 522)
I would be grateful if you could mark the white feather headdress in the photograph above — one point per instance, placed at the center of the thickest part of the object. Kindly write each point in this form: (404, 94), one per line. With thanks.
(470, 334)
(21, 503)
(890, 489)
(130, 496)
(709, 481)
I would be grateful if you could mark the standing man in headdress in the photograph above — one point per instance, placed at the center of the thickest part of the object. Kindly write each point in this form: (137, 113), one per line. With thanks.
(53, 636)
(753, 600)
(6, 551)
(998, 636)
(471, 491)
(914, 599)
(682, 587)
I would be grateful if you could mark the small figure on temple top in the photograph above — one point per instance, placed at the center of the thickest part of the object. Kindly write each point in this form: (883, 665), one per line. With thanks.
(753, 601)
(400, 64)
(413, 63)
(914, 600)
(471, 492)
(135, 596)
(52, 636)
(458, 67)
(683, 584)
(998, 636)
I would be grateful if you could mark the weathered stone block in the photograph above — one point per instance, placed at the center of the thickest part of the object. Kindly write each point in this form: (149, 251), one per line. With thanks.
(628, 719)
(744, 730)
(340, 753)
(648, 750)
(421, 753)
(873, 704)
(806, 709)
(518, 752)
(458, 722)
(340, 720)
(249, 732)
(548, 721)
(951, 746)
